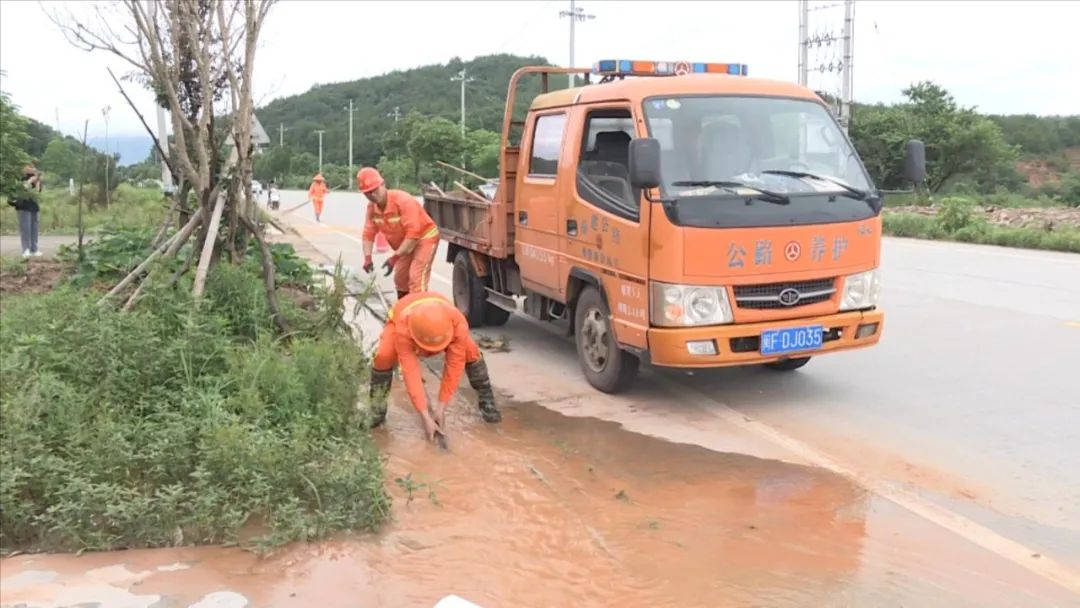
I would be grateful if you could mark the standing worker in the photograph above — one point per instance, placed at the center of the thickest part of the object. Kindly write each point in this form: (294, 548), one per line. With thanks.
(425, 324)
(408, 229)
(317, 192)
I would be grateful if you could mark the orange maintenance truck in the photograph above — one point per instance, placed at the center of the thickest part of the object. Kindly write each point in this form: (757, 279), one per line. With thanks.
(682, 213)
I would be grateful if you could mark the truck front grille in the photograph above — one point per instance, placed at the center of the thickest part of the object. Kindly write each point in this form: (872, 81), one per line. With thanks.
(789, 294)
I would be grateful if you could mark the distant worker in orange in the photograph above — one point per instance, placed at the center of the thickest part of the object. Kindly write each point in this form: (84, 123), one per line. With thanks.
(317, 193)
(425, 324)
(408, 229)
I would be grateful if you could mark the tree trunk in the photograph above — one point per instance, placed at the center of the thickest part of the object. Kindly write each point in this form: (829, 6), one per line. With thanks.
(268, 276)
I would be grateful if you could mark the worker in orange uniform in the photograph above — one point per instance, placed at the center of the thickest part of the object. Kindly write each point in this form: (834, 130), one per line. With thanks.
(425, 324)
(317, 192)
(408, 229)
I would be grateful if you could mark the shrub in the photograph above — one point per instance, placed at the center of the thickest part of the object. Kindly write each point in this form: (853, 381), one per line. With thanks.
(178, 424)
(956, 212)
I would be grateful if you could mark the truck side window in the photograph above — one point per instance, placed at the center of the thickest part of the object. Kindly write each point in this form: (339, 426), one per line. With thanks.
(546, 144)
(603, 175)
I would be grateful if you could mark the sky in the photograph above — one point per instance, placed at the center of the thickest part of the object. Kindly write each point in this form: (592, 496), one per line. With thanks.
(1001, 57)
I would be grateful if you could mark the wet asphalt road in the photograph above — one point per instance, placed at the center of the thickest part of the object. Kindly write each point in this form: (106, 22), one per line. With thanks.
(971, 400)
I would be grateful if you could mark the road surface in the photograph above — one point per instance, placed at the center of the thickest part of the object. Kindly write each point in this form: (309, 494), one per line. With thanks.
(968, 410)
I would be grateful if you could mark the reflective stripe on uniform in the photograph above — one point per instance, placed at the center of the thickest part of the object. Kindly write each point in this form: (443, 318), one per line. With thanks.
(413, 305)
(431, 233)
(394, 219)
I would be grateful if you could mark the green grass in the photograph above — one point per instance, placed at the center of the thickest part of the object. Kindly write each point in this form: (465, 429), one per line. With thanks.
(175, 424)
(927, 227)
(131, 208)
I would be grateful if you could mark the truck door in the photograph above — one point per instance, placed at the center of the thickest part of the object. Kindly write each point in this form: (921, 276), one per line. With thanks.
(537, 234)
(606, 220)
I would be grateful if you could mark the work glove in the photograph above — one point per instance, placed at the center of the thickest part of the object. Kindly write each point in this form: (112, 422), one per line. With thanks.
(439, 414)
(389, 264)
(430, 426)
(368, 264)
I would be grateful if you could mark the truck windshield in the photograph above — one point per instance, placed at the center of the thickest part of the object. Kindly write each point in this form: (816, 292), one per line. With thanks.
(790, 147)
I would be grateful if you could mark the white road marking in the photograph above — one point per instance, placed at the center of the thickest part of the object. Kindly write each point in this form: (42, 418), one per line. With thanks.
(976, 533)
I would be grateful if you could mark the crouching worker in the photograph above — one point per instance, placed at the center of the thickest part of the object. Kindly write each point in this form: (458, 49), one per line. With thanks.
(422, 325)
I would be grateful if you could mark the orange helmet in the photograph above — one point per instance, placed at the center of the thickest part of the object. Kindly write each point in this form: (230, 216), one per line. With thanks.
(368, 179)
(430, 326)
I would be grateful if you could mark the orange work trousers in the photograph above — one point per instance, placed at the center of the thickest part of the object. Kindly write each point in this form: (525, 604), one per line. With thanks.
(317, 203)
(412, 272)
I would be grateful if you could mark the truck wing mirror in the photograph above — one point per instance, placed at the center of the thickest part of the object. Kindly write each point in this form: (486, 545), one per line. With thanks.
(645, 163)
(915, 161)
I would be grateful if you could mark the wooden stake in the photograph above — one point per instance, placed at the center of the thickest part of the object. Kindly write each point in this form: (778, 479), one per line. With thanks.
(208, 247)
(172, 244)
(469, 173)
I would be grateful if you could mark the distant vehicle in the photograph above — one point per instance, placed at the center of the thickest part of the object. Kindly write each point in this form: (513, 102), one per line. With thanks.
(680, 213)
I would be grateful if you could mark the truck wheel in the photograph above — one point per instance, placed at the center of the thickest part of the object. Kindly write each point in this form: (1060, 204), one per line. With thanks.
(787, 365)
(469, 296)
(607, 367)
(495, 316)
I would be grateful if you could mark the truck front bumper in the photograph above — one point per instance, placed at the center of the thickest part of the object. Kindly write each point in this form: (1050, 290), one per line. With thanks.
(740, 344)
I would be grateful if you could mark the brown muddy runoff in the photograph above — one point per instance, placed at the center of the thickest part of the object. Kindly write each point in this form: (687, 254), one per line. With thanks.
(545, 510)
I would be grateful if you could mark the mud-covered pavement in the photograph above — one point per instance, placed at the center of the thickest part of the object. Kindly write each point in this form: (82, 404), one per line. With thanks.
(663, 496)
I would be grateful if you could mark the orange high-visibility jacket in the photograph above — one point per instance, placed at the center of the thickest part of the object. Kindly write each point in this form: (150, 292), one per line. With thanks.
(403, 218)
(409, 354)
(317, 191)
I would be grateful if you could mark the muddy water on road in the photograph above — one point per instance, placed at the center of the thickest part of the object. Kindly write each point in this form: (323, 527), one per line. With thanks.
(545, 510)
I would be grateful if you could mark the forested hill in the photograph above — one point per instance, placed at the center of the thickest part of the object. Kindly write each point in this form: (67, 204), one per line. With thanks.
(428, 90)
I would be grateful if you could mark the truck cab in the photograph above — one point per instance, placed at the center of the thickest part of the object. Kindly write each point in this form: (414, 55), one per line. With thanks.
(683, 214)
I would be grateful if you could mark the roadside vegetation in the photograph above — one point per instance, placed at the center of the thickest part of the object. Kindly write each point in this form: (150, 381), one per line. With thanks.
(176, 423)
(962, 219)
(179, 380)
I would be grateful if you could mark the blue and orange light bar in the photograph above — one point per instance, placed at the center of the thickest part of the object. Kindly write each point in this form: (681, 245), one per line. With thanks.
(627, 67)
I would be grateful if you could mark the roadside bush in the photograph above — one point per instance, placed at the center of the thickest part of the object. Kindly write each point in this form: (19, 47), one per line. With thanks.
(174, 424)
(977, 230)
(956, 212)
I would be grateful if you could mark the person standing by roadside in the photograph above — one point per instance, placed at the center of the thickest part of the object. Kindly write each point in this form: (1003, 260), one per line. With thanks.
(273, 196)
(408, 229)
(317, 192)
(26, 203)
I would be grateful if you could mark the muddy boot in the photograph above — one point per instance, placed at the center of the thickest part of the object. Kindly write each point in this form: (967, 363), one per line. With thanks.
(380, 391)
(481, 383)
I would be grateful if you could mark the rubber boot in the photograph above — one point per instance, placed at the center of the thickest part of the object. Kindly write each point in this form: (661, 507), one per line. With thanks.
(481, 383)
(380, 391)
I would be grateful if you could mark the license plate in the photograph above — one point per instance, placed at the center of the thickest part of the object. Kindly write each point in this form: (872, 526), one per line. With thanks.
(792, 339)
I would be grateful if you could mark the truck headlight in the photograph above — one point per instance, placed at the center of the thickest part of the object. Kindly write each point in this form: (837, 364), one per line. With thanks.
(861, 290)
(689, 305)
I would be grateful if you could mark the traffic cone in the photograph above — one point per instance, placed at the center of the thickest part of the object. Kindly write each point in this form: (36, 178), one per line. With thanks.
(381, 246)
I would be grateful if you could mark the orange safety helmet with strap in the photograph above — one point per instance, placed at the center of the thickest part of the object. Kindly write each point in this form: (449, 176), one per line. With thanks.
(368, 179)
(430, 325)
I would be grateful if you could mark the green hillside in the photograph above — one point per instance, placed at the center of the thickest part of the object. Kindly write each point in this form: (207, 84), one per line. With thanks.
(427, 90)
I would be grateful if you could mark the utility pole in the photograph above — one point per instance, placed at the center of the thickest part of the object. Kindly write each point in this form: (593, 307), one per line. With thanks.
(350, 137)
(464, 80)
(847, 82)
(575, 14)
(105, 112)
(396, 113)
(804, 42)
(166, 175)
(320, 132)
(281, 135)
